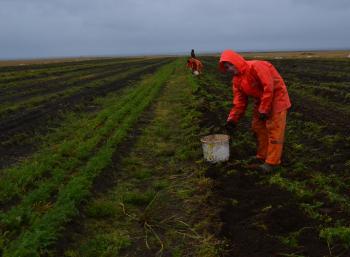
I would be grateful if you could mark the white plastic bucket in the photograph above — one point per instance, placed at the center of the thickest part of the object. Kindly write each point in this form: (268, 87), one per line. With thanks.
(216, 148)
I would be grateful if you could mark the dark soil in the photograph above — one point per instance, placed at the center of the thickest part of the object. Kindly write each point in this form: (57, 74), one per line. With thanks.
(314, 71)
(333, 120)
(256, 215)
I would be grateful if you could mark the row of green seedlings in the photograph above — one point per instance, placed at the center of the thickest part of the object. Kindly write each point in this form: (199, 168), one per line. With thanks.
(335, 232)
(23, 82)
(334, 93)
(41, 99)
(77, 144)
(53, 64)
(72, 79)
(314, 183)
(320, 144)
(12, 78)
(33, 74)
(31, 85)
(329, 93)
(70, 151)
(21, 93)
(330, 149)
(337, 68)
(44, 230)
(340, 87)
(141, 206)
(323, 102)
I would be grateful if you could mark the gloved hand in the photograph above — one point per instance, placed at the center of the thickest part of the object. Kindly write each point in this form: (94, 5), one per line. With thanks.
(230, 126)
(263, 116)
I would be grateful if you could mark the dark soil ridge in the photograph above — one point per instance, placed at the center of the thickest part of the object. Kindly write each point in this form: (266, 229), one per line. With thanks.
(313, 70)
(310, 77)
(50, 86)
(36, 121)
(65, 69)
(337, 96)
(9, 94)
(31, 67)
(334, 121)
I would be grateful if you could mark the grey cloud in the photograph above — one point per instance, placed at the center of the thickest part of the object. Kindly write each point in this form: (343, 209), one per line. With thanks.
(329, 4)
(40, 28)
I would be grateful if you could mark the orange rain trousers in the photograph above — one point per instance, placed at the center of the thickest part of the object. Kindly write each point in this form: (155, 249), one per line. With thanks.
(270, 136)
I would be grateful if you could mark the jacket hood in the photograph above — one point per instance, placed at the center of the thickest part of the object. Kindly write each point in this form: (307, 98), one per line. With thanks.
(233, 58)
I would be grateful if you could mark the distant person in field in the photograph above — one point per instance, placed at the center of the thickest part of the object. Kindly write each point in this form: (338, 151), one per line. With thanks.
(193, 55)
(194, 64)
(261, 81)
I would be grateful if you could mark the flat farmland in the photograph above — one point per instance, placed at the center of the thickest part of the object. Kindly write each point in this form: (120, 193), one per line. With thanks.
(103, 158)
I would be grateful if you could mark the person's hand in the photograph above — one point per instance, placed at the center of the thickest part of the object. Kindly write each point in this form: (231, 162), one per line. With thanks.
(230, 126)
(263, 116)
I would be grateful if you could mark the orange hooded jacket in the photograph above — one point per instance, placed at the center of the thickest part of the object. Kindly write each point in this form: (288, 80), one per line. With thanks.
(195, 64)
(258, 79)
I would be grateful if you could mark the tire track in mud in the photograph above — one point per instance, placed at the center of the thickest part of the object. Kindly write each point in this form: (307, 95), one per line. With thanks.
(38, 120)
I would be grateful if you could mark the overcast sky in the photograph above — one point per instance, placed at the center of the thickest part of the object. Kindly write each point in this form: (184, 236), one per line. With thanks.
(52, 28)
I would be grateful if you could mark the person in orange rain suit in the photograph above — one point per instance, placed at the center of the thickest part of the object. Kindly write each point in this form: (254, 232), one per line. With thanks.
(195, 65)
(260, 80)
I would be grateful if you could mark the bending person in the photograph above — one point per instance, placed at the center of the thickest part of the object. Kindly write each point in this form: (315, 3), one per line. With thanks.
(261, 81)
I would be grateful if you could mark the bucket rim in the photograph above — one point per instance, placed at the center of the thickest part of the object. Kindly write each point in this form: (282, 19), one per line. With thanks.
(222, 138)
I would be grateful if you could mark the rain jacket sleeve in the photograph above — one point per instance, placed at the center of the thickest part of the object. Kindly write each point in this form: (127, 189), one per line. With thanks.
(264, 75)
(240, 101)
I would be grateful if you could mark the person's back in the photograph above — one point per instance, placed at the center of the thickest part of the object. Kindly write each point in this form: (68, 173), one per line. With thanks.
(263, 72)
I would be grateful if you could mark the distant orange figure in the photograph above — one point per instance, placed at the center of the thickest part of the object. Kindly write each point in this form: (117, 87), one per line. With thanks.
(260, 80)
(195, 65)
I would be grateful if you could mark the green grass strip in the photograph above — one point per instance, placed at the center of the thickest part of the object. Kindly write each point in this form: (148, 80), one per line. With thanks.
(45, 230)
(23, 212)
(66, 155)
